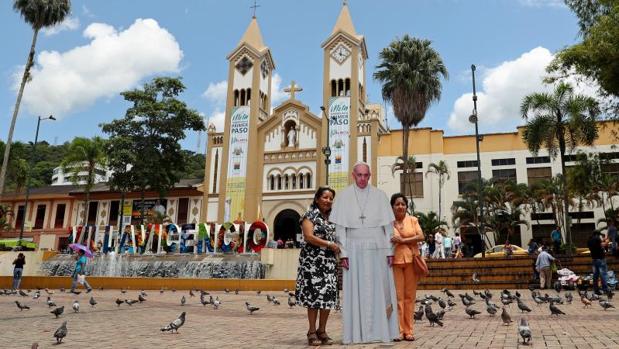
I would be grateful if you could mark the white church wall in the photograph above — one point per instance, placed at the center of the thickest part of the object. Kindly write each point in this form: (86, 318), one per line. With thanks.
(361, 69)
(213, 207)
(340, 71)
(273, 141)
(243, 81)
(307, 137)
(264, 83)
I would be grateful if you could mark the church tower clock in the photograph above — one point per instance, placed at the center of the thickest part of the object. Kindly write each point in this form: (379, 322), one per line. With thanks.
(344, 100)
(248, 103)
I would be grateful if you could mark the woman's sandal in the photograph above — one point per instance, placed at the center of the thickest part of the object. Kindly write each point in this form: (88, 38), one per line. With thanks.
(399, 338)
(324, 338)
(312, 339)
(409, 337)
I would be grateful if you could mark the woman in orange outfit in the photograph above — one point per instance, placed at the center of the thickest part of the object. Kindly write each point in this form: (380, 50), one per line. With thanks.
(406, 235)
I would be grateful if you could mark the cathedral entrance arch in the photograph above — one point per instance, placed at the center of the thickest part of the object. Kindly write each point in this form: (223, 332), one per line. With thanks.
(286, 225)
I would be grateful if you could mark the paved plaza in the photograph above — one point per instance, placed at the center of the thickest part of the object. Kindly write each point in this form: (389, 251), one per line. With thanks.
(277, 326)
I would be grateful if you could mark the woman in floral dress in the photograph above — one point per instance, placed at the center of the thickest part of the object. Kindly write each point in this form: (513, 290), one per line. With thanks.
(317, 274)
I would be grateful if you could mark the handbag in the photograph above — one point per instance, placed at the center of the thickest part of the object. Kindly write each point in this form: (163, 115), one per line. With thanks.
(420, 267)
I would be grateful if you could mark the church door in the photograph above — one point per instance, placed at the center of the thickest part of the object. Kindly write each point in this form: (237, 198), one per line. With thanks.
(287, 225)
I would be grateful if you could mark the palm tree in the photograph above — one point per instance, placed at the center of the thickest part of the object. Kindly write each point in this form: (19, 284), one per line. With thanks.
(429, 222)
(400, 166)
(39, 14)
(560, 121)
(442, 171)
(85, 155)
(410, 70)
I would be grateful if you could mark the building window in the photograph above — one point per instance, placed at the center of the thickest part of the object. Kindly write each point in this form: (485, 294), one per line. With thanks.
(465, 180)
(503, 162)
(365, 151)
(308, 178)
(301, 183)
(183, 209)
(272, 180)
(92, 212)
(536, 175)
(413, 187)
(59, 219)
(215, 170)
(286, 182)
(19, 217)
(114, 212)
(609, 156)
(504, 175)
(467, 163)
(570, 158)
(611, 169)
(294, 181)
(40, 217)
(538, 160)
(279, 182)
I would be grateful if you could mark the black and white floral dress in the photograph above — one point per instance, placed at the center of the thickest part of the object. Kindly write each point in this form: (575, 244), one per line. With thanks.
(317, 273)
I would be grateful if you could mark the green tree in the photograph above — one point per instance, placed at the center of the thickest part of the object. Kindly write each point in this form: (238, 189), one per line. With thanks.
(560, 121)
(429, 222)
(442, 171)
(38, 14)
(152, 128)
(410, 71)
(87, 156)
(120, 157)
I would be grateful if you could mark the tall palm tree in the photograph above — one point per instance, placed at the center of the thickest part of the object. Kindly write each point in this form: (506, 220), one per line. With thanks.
(410, 71)
(429, 222)
(85, 155)
(39, 14)
(442, 171)
(559, 121)
(401, 166)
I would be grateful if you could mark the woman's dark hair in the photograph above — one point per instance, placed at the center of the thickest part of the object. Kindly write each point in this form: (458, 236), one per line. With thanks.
(318, 194)
(397, 196)
(21, 255)
(81, 252)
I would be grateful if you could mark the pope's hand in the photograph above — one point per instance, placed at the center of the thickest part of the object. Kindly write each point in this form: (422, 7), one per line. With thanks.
(389, 260)
(344, 263)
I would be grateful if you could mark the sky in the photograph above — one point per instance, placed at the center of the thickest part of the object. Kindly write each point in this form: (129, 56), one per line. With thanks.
(106, 47)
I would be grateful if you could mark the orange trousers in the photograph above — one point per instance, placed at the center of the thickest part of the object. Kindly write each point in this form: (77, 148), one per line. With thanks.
(406, 289)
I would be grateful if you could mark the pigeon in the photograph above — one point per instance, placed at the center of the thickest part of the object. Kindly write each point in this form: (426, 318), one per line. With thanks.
(48, 291)
(61, 290)
(23, 294)
(161, 291)
(606, 305)
(58, 311)
(119, 302)
(506, 301)
(76, 306)
(442, 304)
(173, 290)
(523, 307)
(418, 315)
(466, 301)
(236, 291)
(131, 301)
(203, 301)
(204, 293)
(92, 302)
(22, 306)
(491, 310)
(610, 294)
(475, 293)
(291, 303)
(538, 300)
(447, 293)
(141, 298)
(175, 325)
(440, 314)
(61, 332)
(433, 318)
(471, 312)
(226, 290)
(525, 331)
(258, 292)
(143, 294)
(518, 295)
(123, 291)
(469, 297)
(585, 301)
(251, 308)
(554, 310)
(505, 317)
(50, 303)
(568, 297)
(451, 303)
(475, 278)
(183, 300)
(269, 298)
(557, 287)
(216, 303)
(191, 293)
(37, 294)
(285, 290)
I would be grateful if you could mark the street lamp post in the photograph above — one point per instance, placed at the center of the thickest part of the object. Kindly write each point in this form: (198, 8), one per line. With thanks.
(34, 145)
(474, 119)
(326, 150)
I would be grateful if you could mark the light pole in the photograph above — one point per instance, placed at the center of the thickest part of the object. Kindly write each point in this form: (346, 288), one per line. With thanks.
(326, 150)
(480, 199)
(34, 145)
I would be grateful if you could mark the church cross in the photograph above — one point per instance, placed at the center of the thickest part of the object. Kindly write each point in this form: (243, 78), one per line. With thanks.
(254, 7)
(292, 89)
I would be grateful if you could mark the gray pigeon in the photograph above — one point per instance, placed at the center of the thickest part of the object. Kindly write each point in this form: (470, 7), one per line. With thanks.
(505, 317)
(525, 331)
(475, 278)
(61, 332)
(175, 325)
(58, 311)
(491, 309)
(269, 298)
(568, 297)
(50, 303)
(554, 310)
(183, 300)
(442, 303)
(22, 306)
(130, 301)
(471, 312)
(606, 305)
(216, 303)
(523, 307)
(141, 298)
(440, 314)
(433, 318)
(191, 293)
(251, 308)
(291, 302)
(119, 302)
(203, 301)
(76, 306)
(418, 315)
(23, 294)
(447, 293)
(92, 302)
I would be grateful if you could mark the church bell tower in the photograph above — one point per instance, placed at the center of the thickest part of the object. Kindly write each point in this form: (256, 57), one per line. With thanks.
(344, 100)
(248, 103)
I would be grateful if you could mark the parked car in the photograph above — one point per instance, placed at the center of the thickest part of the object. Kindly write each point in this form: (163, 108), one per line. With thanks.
(499, 251)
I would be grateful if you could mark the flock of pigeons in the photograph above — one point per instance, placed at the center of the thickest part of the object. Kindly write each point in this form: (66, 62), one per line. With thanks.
(506, 299)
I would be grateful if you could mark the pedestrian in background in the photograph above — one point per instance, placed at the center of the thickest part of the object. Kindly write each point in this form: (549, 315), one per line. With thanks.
(600, 269)
(439, 250)
(447, 243)
(18, 271)
(555, 236)
(542, 265)
(79, 273)
(612, 236)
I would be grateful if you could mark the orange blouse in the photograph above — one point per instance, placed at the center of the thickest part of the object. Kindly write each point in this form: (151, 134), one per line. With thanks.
(403, 253)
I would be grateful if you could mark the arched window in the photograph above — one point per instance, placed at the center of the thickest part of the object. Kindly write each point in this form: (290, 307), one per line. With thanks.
(294, 182)
(333, 88)
(236, 97)
(340, 87)
(365, 151)
(301, 183)
(279, 182)
(286, 182)
(308, 178)
(347, 87)
(248, 96)
(272, 182)
(215, 170)
(242, 97)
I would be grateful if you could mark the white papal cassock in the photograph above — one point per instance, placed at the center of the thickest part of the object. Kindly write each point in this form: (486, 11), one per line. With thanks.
(363, 221)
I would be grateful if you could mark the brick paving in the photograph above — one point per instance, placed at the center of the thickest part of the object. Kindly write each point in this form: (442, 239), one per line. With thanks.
(137, 326)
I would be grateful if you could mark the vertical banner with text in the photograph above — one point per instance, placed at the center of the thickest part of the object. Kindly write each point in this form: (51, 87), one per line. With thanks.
(339, 141)
(237, 163)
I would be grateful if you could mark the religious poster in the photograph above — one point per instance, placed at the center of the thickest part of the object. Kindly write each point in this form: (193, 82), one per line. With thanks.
(339, 141)
(237, 163)
(150, 207)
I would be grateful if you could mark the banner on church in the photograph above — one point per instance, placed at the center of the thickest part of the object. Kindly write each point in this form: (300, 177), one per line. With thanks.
(339, 141)
(237, 163)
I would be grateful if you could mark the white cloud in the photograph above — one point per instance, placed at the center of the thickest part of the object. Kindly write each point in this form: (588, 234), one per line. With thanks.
(113, 61)
(542, 3)
(216, 93)
(70, 23)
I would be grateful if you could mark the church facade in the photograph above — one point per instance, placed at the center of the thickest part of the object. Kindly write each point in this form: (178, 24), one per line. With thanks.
(267, 165)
